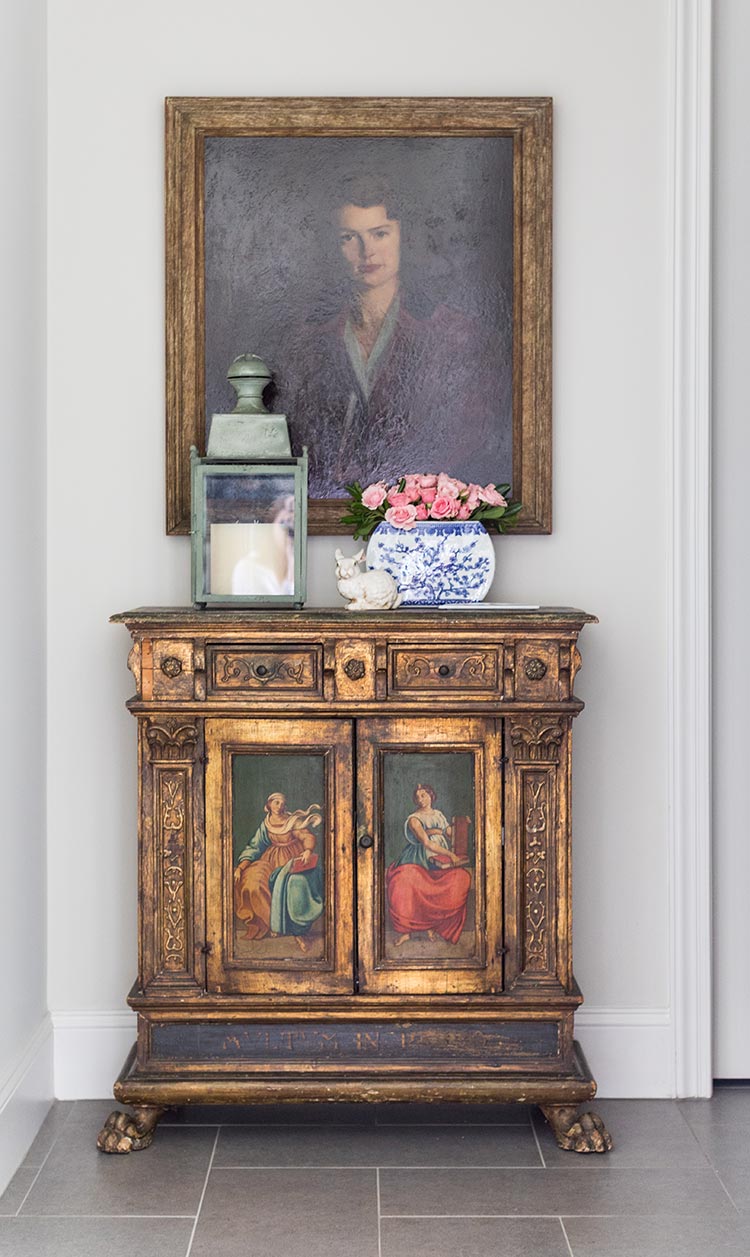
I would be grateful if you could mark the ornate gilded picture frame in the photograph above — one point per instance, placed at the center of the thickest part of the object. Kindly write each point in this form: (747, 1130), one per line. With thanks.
(391, 260)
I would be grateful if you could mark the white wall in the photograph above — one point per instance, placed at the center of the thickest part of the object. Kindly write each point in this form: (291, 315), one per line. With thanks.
(607, 66)
(25, 1045)
(731, 573)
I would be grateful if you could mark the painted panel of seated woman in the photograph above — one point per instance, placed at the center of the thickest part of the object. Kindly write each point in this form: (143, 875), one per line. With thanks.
(428, 885)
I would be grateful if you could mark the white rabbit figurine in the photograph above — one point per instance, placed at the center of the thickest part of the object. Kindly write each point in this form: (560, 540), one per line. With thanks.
(375, 590)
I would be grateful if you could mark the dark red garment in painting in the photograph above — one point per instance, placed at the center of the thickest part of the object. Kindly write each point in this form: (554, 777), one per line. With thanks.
(427, 899)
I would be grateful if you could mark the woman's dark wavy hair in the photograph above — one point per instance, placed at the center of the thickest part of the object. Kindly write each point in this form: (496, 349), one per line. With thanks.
(422, 785)
(366, 190)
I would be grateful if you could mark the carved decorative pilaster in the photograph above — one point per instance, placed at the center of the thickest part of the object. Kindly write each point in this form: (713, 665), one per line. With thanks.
(537, 943)
(171, 738)
(172, 808)
(199, 669)
(537, 778)
(570, 662)
(171, 747)
(134, 664)
(509, 670)
(537, 739)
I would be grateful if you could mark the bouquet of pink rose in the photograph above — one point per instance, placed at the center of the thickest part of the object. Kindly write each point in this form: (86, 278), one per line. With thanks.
(416, 498)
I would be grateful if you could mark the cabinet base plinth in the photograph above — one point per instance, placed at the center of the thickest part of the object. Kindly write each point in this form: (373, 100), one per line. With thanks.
(162, 1087)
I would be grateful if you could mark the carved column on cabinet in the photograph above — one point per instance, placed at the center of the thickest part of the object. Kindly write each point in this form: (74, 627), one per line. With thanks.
(538, 748)
(172, 877)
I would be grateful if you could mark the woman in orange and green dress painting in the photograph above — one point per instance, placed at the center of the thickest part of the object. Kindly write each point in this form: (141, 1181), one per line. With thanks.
(427, 887)
(278, 881)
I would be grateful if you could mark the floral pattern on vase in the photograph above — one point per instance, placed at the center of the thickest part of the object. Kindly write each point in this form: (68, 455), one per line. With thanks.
(435, 563)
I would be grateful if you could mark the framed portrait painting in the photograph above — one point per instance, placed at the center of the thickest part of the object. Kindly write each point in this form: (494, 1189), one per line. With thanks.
(390, 260)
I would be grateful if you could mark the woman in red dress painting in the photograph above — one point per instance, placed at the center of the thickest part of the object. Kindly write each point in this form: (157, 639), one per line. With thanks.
(427, 888)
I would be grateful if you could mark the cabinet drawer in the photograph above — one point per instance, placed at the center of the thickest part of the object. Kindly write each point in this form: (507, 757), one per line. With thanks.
(414, 671)
(251, 669)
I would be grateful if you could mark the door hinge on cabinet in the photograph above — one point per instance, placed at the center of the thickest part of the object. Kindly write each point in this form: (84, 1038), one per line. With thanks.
(206, 949)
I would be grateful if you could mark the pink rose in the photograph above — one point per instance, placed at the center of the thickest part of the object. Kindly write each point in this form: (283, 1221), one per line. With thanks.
(443, 508)
(473, 499)
(490, 495)
(427, 482)
(402, 516)
(374, 495)
(447, 487)
(398, 499)
(428, 495)
(412, 488)
(422, 511)
(464, 511)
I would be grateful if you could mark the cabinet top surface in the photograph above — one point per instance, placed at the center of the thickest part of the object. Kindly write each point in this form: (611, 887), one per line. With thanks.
(319, 617)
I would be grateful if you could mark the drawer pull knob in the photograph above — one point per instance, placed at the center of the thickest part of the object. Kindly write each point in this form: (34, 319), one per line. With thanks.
(444, 670)
(261, 669)
(171, 666)
(366, 841)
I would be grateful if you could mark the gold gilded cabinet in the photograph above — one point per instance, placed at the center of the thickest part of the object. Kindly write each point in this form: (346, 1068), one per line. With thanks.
(354, 862)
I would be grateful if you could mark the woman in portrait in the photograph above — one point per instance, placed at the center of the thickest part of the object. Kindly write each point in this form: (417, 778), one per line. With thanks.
(391, 380)
(426, 887)
(278, 883)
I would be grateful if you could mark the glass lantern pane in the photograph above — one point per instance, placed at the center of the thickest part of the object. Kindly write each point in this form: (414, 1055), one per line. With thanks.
(249, 534)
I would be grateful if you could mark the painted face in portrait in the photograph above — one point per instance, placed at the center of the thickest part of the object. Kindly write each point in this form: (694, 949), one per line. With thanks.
(424, 797)
(370, 243)
(276, 804)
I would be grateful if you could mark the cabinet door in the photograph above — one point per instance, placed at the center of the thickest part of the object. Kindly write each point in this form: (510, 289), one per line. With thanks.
(279, 820)
(429, 855)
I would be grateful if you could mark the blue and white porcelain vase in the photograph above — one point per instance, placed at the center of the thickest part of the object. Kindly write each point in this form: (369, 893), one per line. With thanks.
(435, 563)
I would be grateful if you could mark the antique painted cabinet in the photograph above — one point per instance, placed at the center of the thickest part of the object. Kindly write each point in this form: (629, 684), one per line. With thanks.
(354, 862)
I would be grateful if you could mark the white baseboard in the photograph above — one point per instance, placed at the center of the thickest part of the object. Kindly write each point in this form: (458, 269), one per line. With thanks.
(90, 1050)
(630, 1051)
(26, 1093)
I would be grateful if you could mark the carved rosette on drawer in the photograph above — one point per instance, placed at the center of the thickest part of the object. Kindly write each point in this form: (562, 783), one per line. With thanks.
(253, 669)
(172, 744)
(537, 671)
(354, 668)
(469, 668)
(536, 743)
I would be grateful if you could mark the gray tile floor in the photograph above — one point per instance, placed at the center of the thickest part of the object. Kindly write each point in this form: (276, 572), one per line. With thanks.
(388, 1182)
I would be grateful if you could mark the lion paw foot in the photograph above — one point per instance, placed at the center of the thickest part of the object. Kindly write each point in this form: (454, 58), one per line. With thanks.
(583, 1133)
(124, 1133)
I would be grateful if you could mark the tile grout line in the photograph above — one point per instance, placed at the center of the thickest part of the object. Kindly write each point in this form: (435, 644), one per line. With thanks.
(437, 1125)
(104, 1217)
(729, 1195)
(346, 1125)
(380, 1240)
(426, 1216)
(567, 1240)
(351, 1165)
(538, 1145)
(203, 1193)
(44, 1162)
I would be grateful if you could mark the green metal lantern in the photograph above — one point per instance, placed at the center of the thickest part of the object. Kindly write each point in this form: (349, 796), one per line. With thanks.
(249, 531)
